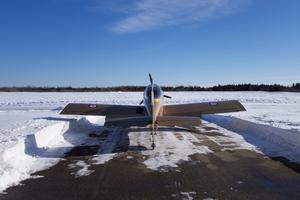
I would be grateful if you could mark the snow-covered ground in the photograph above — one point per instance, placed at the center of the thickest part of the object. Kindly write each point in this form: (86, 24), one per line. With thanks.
(278, 109)
(33, 136)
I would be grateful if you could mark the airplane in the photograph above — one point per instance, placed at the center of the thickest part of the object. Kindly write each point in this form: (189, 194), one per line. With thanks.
(152, 111)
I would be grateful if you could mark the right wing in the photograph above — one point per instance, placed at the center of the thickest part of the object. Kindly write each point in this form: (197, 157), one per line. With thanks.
(110, 111)
(197, 109)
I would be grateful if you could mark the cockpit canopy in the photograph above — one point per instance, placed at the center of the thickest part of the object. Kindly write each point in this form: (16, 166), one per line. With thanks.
(156, 90)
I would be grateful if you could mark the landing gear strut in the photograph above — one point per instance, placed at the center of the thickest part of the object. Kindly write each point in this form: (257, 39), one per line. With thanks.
(152, 139)
(153, 132)
(153, 145)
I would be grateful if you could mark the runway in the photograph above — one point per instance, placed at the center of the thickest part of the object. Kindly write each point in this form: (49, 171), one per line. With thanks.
(219, 167)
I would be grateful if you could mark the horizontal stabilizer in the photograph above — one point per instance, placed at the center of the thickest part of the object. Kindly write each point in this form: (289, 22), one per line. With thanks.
(161, 121)
(129, 121)
(178, 121)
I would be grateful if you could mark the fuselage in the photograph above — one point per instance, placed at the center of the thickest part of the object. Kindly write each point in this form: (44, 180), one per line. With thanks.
(153, 104)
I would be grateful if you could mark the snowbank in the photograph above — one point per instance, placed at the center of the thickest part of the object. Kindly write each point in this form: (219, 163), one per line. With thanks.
(268, 139)
(17, 165)
(43, 149)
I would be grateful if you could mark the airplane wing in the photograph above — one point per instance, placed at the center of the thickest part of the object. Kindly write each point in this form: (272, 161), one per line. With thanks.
(110, 111)
(197, 109)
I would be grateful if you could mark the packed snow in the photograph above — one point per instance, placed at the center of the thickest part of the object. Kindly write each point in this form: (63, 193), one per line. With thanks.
(33, 136)
(170, 148)
(83, 168)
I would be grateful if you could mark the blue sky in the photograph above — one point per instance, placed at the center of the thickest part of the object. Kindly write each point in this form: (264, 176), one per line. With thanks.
(181, 42)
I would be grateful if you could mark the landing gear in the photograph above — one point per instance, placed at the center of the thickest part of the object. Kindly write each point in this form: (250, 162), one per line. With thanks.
(153, 132)
(152, 139)
(155, 127)
(153, 145)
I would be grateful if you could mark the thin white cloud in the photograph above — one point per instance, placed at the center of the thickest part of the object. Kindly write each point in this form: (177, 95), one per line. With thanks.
(142, 15)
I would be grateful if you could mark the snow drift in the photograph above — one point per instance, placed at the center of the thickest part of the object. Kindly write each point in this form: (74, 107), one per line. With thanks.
(270, 140)
(41, 150)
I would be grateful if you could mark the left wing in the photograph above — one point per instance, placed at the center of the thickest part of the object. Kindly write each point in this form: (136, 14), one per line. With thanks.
(197, 109)
(111, 111)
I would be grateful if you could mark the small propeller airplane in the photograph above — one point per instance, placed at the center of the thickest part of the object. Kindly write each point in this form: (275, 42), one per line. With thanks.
(153, 112)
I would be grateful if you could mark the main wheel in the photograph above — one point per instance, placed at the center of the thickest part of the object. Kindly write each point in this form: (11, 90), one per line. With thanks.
(153, 145)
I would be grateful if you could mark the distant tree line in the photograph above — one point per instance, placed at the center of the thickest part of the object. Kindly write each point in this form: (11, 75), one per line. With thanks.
(230, 87)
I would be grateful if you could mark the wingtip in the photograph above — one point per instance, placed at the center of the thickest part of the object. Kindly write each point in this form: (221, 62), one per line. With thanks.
(63, 112)
(242, 107)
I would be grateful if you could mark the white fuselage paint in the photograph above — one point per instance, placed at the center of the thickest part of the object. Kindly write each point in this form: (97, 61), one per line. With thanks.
(154, 108)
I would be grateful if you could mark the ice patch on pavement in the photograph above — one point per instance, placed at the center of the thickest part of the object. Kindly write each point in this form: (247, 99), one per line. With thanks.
(171, 148)
(100, 159)
(82, 168)
(187, 195)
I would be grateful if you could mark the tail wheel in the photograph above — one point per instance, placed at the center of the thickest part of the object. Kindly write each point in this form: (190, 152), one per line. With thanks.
(153, 145)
